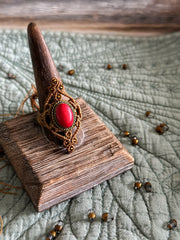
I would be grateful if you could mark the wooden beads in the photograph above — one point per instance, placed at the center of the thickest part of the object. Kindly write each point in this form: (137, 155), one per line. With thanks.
(11, 76)
(126, 134)
(56, 231)
(148, 187)
(53, 233)
(109, 66)
(137, 185)
(147, 113)
(124, 66)
(107, 217)
(58, 228)
(162, 128)
(71, 72)
(91, 215)
(134, 140)
(172, 224)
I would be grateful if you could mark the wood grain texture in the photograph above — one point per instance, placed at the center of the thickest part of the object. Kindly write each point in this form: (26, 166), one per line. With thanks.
(48, 174)
(113, 16)
(140, 11)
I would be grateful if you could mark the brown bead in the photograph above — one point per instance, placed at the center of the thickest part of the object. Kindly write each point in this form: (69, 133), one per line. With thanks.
(11, 76)
(134, 140)
(53, 233)
(137, 185)
(106, 217)
(71, 72)
(61, 87)
(148, 187)
(172, 224)
(124, 66)
(58, 228)
(159, 130)
(91, 216)
(147, 113)
(109, 66)
(126, 134)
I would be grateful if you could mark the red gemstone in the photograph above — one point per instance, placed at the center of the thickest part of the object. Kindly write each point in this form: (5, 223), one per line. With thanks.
(64, 115)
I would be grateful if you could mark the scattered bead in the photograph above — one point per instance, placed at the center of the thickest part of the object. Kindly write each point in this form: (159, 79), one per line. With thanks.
(162, 128)
(107, 217)
(148, 187)
(137, 185)
(91, 215)
(59, 226)
(124, 66)
(11, 76)
(126, 134)
(57, 229)
(134, 140)
(71, 72)
(53, 233)
(147, 113)
(159, 130)
(172, 224)
(109, 66)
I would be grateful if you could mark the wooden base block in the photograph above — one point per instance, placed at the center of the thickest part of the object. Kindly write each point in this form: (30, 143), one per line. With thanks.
(48, 174)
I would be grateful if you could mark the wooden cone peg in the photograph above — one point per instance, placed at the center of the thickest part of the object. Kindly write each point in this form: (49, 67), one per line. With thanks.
(48, 174)
(44, 70)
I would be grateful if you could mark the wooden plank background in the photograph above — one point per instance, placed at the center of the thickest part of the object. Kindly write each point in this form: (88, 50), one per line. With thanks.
(139, 16)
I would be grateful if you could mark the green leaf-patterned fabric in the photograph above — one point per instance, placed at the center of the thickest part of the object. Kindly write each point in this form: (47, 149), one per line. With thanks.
(120, 98)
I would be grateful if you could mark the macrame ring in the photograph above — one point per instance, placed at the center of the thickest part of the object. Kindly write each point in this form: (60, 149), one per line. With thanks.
(62, 116)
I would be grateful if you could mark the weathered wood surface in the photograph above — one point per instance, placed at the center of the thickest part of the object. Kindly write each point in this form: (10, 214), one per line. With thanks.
(139, 11)
(109, 16)
(48, 174)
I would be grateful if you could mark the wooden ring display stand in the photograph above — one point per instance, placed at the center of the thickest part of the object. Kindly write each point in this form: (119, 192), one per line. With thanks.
(48, 174)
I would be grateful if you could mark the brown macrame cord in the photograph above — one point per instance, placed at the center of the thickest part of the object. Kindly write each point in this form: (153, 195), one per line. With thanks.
(32, 95)
(56, 91)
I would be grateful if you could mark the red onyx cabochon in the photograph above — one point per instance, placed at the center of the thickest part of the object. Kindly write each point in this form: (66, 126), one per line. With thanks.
(64, 115)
